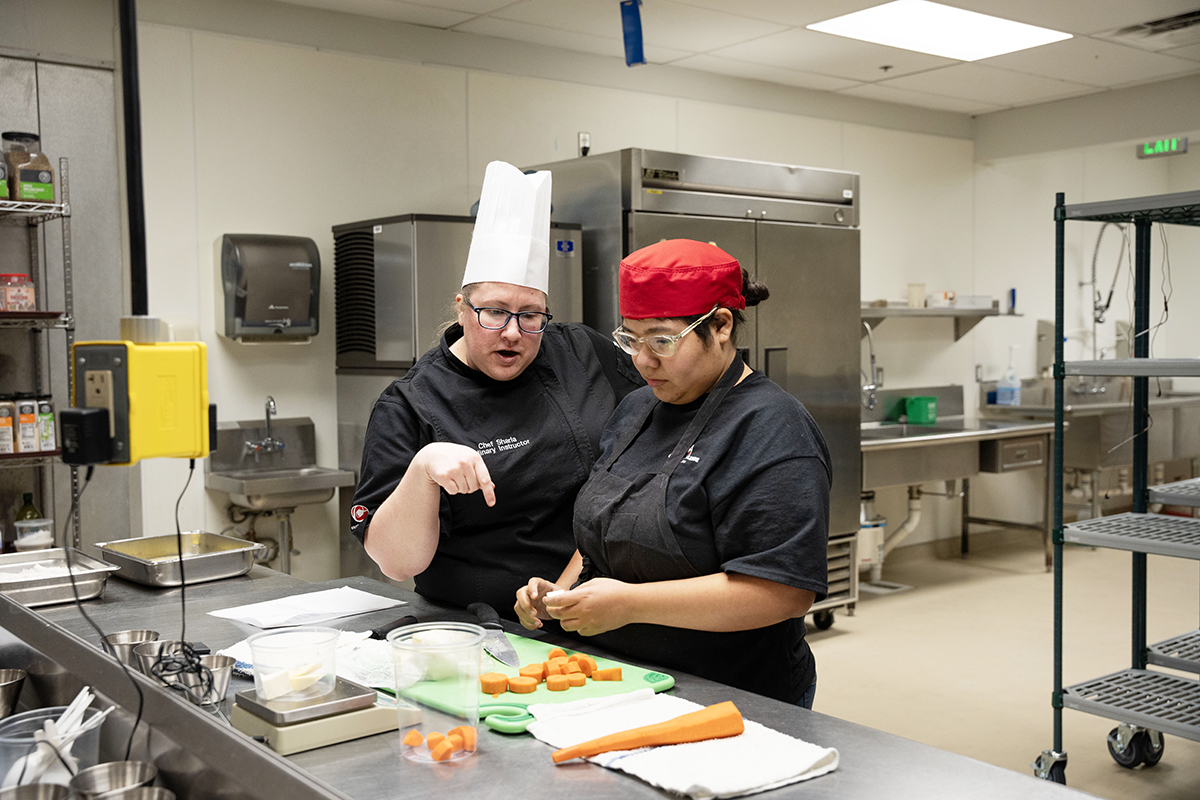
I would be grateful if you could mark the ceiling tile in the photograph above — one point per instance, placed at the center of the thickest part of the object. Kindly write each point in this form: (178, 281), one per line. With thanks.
(1078, 16)
(413, 13)
(566, 40)
(890, 94)
(664, 23)
(989, 85)
(1093, 62)
(837, 56)
(1192, 52)
(797, 13)
(744, 69)
(469, 6)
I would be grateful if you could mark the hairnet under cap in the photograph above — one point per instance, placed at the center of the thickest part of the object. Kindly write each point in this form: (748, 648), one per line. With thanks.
(678, 278)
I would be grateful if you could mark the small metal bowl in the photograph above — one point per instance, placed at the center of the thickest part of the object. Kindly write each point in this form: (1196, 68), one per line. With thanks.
(104, 779)
(141, 793)
(121, 644)
(36, 791)
(148, 653)
(11, 681)
(222, 670)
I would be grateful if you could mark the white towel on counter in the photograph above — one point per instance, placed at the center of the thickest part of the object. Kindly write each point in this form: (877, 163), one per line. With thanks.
(757, 760)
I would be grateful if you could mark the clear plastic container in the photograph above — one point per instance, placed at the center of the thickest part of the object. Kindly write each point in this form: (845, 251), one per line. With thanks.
(34, 534)
(17, 741)
(295, 664)
(19, 294)
(30, 176)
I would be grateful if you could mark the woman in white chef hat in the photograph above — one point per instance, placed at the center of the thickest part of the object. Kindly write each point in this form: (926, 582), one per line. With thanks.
(472, 460)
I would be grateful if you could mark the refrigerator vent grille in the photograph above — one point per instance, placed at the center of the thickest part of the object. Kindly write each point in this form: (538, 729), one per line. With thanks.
(354, 292)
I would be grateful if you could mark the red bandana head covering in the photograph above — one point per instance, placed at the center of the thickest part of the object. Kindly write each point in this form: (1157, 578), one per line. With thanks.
(679, 278)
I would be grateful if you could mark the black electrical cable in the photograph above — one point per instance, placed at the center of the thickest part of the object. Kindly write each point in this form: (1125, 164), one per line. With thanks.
(79, 604)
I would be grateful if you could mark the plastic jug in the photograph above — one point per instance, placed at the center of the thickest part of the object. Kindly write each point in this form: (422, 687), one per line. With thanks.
(1008, 390)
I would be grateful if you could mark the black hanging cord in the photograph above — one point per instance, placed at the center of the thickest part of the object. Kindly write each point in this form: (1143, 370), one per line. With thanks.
(131, 97)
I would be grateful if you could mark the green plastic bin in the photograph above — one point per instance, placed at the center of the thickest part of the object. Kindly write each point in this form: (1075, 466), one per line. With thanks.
(921, 410)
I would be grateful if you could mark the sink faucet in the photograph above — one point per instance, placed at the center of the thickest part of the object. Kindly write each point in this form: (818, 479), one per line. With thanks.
(268, 445)
(872, 384)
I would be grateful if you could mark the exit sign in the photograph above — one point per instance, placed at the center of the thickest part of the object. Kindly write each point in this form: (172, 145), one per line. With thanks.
(1162, 147)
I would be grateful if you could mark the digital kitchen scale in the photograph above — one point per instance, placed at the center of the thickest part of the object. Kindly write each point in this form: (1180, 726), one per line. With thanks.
(349, 712)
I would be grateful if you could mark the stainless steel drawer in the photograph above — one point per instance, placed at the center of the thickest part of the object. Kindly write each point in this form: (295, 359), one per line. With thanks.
(1008, 455)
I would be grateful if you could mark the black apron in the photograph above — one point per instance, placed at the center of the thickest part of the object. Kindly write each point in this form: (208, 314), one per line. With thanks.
(622, 531)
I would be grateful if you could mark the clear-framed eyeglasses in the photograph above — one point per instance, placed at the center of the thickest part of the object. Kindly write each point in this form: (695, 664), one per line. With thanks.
(496, 319)
(660, 344)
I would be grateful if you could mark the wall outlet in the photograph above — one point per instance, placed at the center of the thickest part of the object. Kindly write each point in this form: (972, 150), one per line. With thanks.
(585, 143)
(98, 385)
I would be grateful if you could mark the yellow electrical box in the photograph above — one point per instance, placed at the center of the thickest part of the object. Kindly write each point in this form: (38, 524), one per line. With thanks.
(156, 396)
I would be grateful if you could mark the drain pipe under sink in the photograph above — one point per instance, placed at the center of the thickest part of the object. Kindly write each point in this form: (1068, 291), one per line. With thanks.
(900, 534)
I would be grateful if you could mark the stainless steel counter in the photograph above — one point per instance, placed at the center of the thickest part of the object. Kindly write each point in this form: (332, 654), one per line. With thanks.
(894, 436)
(873, 763)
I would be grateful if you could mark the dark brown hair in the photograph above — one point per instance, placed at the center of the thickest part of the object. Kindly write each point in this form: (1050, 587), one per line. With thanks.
(754, 292)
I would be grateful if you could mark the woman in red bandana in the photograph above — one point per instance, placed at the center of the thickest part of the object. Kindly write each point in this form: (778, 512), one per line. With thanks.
(702, 529)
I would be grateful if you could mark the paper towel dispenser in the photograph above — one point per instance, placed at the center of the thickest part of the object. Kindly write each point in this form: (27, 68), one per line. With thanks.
(272, 287)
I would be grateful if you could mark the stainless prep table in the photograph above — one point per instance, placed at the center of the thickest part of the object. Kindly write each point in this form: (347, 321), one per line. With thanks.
(873, 763)
(895, 454)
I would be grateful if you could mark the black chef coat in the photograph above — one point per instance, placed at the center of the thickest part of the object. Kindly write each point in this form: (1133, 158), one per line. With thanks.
(749, 496)
(538, 434)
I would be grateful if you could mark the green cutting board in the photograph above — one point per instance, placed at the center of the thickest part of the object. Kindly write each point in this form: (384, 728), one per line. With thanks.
(508, 713)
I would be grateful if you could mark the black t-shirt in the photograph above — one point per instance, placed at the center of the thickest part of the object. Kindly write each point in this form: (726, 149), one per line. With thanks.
(751, 496)
(538, 434)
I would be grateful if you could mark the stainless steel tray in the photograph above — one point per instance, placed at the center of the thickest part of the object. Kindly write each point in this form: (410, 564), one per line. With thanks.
(346, 696)
(90, 577)
(154, 560)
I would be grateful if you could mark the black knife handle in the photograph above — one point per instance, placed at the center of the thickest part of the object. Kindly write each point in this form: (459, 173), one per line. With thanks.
(383, 630)
(487, 615)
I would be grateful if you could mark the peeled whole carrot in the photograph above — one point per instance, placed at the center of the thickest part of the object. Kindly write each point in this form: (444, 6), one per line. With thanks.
(493, 683)
(714, 722)
(522, 684)
(558, 683)
(468, 735)
(413, 738)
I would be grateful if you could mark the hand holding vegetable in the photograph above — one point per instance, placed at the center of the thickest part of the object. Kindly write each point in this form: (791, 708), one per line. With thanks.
(457, 469)
(598, 606)
(530, 606)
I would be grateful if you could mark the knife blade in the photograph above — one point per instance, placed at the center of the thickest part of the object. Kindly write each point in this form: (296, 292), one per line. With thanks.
(494, 640)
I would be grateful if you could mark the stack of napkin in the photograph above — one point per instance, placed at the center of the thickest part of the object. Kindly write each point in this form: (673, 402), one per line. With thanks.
(755, 761)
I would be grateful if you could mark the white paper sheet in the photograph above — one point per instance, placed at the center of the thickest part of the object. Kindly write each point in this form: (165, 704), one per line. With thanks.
(308, 609)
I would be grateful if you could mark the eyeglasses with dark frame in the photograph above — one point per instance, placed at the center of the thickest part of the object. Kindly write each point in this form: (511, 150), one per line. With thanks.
(496, 319)
(660, 344)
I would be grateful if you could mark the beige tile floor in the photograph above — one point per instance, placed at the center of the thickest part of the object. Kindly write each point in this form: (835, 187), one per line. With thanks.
(963, 660)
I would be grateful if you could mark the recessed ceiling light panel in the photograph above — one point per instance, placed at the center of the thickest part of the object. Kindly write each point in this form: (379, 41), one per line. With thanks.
(938, 30)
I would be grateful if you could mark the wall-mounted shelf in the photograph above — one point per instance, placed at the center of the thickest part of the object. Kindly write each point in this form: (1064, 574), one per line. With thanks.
(964, 318)
(24, 212)
(1137, 367)
(35, 320)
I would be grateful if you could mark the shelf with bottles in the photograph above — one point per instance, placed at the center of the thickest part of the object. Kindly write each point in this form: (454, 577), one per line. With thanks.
(42, 458)
(27, 212)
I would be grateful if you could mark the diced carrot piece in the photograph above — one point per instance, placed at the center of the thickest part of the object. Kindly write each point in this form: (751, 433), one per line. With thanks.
(570, 667)
(577, 679)
(413, 738)
(456, 742)
(575, 656)
(551, 668)
(468, 735)
(556, 652)
(558, 683)
(434, 739)
(493, 683)
(561, 661)
(586, 666)
(610, 674)
(522, 684)
(443, 751)
(535, 671)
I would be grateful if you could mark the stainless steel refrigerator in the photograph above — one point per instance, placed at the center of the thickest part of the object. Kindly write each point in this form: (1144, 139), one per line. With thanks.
(794, 228)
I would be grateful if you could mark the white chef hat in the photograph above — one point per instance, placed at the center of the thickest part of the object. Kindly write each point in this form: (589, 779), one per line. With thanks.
(511, 243)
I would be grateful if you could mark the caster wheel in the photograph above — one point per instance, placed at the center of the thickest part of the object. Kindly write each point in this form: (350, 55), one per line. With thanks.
(1058, 774)
(1131, 756)
(823, 620)
(1145, 745)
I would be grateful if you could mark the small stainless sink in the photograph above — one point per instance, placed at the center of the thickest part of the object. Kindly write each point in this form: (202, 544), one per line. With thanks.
(279, 488)
(900, 430)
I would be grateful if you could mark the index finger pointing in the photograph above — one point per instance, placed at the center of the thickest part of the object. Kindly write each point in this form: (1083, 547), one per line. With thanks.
(485, 482)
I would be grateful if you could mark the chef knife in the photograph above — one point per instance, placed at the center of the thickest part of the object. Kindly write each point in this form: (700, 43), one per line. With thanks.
(494, 640)
(383, 630)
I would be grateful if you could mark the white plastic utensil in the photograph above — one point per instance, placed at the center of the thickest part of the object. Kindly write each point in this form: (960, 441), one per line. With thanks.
(58, 735)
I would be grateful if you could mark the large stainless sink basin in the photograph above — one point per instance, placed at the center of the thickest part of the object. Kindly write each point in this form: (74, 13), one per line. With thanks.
(279, 488)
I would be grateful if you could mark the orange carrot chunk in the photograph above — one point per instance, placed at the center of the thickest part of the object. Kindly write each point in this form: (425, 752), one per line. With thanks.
(610, 674)
(443, 751)
(570, 667)
(586, 666)
(558, 683)
(493, 683)
(577, 679)
(551, 668)
(434, 739)
(535, 671)
(715, 722)
(561, 661)
(556, 652)
(413, 738)
(456, 742)
(522, 684)
(468, 735)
